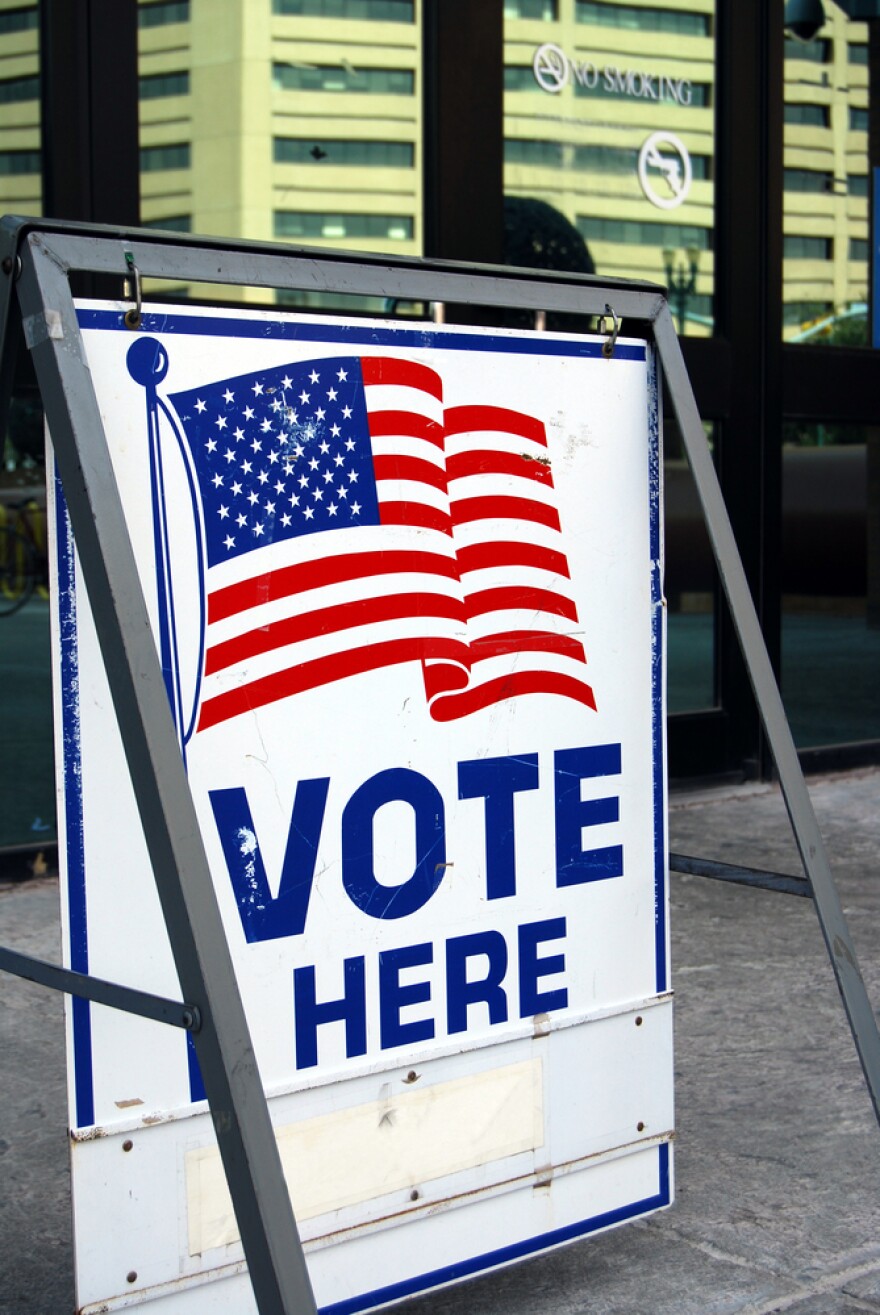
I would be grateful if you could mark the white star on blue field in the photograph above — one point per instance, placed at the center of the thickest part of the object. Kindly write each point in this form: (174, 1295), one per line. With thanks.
(280, 453)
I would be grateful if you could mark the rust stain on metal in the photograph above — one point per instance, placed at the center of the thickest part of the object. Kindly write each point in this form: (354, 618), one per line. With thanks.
(90, 1134)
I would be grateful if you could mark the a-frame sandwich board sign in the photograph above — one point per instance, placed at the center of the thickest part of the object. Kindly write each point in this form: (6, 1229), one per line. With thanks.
(400, 589)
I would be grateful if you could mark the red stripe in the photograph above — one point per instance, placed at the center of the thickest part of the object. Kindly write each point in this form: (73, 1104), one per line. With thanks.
(405, 374)
(415, 513)
(328, 621)
(499, 463)
(519, 597)
(413, 468)
(300, 578)
(484, 556)
(469, 419)
(452, 706)
(406, 424)
(322, 671)
(520, 509)
(526, 641)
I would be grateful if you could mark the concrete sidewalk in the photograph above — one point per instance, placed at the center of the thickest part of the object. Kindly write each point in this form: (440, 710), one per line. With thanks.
(778, 1151)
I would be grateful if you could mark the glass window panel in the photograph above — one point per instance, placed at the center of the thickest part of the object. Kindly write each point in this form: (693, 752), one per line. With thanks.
(19, 20)
(163, 84)
(808, 180)
(174, 223)
(831, 583)
(825, 215)
(394, 11)
(304, 223)
(162, 13)
(535, 9)
(27, 806)
(642, 18)
(812, 116)
(799, 247)
(304, 150)
(15, 90)
(19, 162)
(616, 140)
(293, 97)
(689, 585)
(815, 52)
(155, 158)
(355, 81)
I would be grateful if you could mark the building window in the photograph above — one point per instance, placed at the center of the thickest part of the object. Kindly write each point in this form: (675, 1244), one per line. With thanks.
(857, 53)
(166, 11)
(543, 10)
(172, 223)
(857, 184)
(858, 119)
(18, 20)
(644, 233)
(155, 85)
(333, 77)
(154, 158)
(808, 180)
(384, 11)
(591, 159)
(642, 20)
(817, 52)
(799, 247)
(624, 160)
(810, 116)
(301, 223)
(523, 151)
(520, 77)
(13, 90)
(19, 162)
(859, 248)
(305, 150)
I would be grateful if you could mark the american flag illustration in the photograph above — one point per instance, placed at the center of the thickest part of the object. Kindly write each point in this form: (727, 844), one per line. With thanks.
(350, 523)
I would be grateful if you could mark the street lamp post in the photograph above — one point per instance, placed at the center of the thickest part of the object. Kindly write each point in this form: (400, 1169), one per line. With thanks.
(681, 280)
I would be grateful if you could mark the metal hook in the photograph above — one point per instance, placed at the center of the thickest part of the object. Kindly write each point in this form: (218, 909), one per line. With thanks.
(610, 342)
(133, 317)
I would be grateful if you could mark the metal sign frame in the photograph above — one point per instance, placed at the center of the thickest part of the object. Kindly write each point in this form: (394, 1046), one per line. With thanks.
(37, 258)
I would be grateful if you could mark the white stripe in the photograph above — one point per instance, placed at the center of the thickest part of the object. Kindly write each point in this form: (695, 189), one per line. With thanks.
(398, 397)
(291, 655)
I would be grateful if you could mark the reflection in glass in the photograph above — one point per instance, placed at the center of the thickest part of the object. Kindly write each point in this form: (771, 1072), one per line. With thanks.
(608, 118)
(306, 130)
(831, 583)
(825, 206)
(690, 584)
(27, 785)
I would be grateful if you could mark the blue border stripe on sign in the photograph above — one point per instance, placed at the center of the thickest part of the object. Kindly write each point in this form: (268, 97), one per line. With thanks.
(73, 810)
(304, 331)
(657, 674)
(506, 1255)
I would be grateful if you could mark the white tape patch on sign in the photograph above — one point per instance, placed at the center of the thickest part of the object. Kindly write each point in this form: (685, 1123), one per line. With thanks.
(406, 587)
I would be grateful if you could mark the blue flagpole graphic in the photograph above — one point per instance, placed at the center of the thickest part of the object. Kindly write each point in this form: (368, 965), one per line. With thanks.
(147, 363)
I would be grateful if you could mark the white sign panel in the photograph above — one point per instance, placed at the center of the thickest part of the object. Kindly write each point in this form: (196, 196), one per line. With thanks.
(406, 587)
